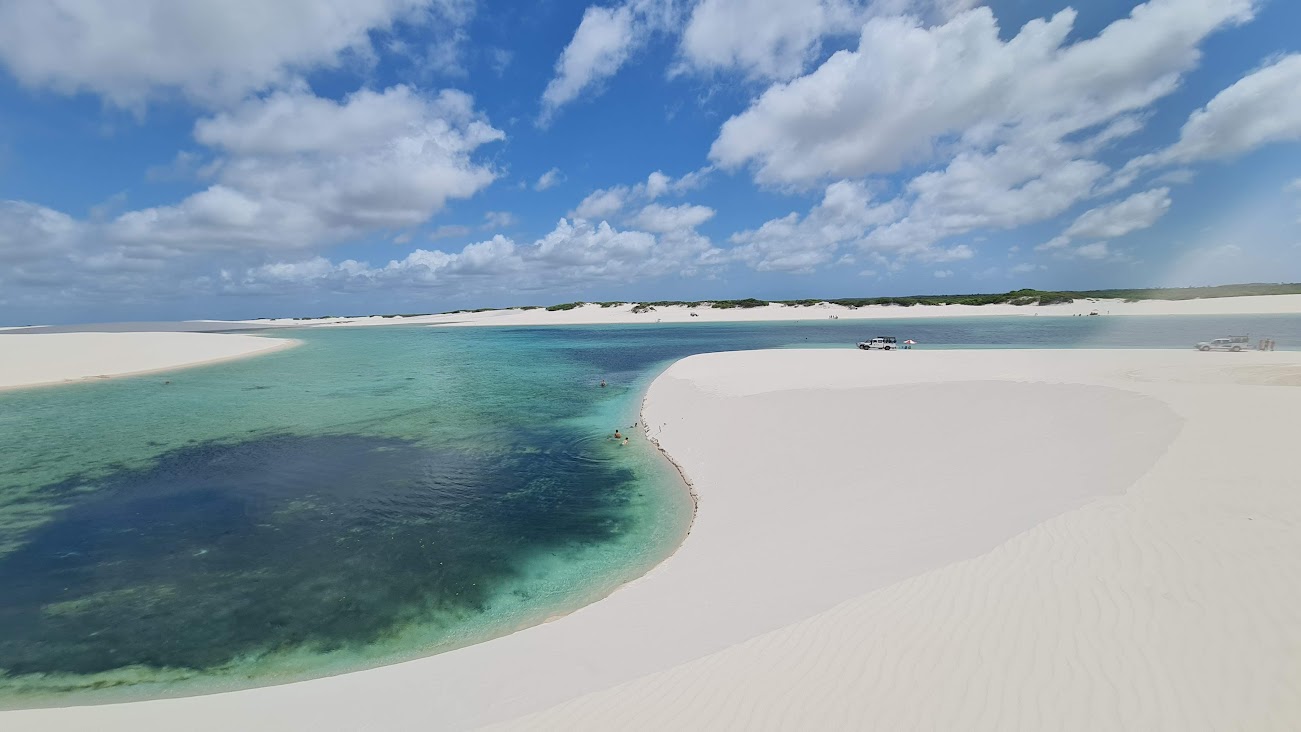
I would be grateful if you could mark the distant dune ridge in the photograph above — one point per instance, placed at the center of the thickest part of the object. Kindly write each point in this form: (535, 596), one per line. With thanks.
(975, 540)
(632, 312)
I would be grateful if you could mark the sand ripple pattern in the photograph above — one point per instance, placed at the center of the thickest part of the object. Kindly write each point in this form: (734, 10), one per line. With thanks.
(1176, 606)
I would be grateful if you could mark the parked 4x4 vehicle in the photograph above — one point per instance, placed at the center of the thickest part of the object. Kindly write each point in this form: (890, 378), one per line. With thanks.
(881, 343)
(1232, 343)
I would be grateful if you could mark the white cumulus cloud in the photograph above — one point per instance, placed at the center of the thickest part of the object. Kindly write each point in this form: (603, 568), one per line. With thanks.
(605, 203)
(600, 46)
(906, 86)
(764, 38)
(212, 51)
(575, 252)
(1261, 108)
(664, 219)
(300, 171)
(801, 244)
(1139, 211)
(549, 179)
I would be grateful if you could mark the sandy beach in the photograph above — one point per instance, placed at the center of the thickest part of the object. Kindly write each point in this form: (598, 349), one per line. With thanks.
(947, 539)
(56, 358)
(1169, 605)
(594, 314)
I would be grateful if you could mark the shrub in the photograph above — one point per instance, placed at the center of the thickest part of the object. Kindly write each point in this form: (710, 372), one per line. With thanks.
(748, 302)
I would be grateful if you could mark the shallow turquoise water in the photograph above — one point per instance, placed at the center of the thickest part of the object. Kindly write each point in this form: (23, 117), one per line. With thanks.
(374, 495)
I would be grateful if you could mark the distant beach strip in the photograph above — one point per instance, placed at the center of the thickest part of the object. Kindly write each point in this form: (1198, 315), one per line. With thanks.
(43, 359)
(760, 311)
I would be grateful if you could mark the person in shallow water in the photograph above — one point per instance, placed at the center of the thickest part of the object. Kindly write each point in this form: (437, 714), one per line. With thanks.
(602, 383)
(625, 442)
(617, 436)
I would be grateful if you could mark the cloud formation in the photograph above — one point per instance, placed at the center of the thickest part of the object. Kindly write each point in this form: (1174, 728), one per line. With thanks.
(575, 252)
(1110, 221)
(773, 39)
(605, 203)
(800, 244)
(210, 51)
(600, 46)
(549, 179)
(296, 170)
(1261, 108)
(293, 172)
(889, 103)
(1016, 125)
(912, 136)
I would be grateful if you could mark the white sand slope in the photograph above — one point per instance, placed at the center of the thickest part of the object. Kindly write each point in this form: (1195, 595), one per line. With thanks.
(1175, 606)
(908, 540)
(54, 358)
(594, 314)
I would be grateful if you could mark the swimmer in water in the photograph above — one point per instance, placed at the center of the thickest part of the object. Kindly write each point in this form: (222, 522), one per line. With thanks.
(602, 383)
(625, 441)
(617, 436)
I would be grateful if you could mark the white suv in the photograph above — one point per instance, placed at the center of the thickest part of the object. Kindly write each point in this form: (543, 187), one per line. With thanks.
(1234, 343)
(880, 343)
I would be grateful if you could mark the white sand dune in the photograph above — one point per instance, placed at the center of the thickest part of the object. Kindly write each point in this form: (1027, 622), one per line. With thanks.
(911, 540)
(1173, 606)
(35, 359)
(593, 314)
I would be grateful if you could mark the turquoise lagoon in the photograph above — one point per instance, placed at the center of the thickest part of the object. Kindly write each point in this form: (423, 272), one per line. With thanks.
(374, 495)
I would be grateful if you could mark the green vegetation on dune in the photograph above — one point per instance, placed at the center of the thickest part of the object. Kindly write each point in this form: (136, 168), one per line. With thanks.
(1015, 297)
(1192, 293)
(749, 302)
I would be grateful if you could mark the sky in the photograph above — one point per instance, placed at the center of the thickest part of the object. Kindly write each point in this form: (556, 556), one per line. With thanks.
(240, 159)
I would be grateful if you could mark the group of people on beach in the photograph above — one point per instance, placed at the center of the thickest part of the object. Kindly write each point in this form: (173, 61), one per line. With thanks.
(1266, 344)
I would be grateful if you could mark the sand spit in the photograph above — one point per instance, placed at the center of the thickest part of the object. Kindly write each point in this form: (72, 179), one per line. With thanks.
(593, 314)
(952, 540)
(57, 358)
(1171, 606)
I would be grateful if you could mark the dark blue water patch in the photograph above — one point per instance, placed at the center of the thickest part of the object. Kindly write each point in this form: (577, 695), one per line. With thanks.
(222, 551)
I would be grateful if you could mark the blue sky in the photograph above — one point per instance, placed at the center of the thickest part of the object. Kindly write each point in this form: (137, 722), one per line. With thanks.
(224, 158)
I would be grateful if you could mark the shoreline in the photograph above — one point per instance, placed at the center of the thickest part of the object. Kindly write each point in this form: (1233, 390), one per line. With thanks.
(846, 662)
(684, 481)
(792, 530)
(672, 473)
(88, 353)
(595, 314)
